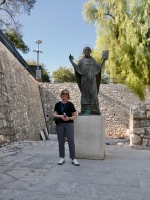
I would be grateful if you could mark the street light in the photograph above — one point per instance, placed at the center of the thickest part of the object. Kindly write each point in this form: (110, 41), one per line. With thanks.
(38, 72)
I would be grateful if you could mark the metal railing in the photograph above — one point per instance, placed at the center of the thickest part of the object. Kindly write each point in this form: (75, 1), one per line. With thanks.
(5, 41)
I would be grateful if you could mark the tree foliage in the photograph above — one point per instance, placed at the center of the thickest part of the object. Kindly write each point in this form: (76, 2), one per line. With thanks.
(17, 41)
(45, 75)
(123, 27)
(64, 74)
(10, 10)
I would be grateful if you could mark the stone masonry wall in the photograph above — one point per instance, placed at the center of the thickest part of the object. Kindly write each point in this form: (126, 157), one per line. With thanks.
(115, 102)
(21, 114)
(140, 125)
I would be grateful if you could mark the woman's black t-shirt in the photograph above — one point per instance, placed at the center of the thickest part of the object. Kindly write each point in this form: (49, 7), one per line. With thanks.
(67, 108)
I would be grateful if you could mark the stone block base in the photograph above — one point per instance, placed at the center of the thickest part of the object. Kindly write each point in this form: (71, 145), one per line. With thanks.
(90, 137)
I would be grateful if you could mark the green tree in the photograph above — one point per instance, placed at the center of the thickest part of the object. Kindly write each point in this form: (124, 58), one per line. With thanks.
(45, 75)
(17, 41)
(10, 10)
(64, 74)
(123, 29)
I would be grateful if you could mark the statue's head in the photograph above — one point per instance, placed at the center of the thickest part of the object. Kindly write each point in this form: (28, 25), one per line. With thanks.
(87, 51)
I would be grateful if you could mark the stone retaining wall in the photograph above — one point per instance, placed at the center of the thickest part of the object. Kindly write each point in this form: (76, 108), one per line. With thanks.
(21, 114)
(140, 125)
(115, 102)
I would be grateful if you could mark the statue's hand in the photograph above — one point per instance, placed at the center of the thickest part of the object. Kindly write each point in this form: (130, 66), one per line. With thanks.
(71, 57)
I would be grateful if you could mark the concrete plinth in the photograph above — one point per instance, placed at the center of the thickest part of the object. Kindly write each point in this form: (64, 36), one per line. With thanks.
(90, 137)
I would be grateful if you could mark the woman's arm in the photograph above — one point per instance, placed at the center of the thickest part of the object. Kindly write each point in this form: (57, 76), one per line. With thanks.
(74, 115)
(55, 115)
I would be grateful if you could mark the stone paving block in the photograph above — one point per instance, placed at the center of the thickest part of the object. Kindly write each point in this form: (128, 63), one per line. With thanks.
(27, 195)
(4, 179)
(33, 174)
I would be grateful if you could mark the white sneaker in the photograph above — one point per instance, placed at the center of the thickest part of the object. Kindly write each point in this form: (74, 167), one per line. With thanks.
(75, 162)
(61, 161)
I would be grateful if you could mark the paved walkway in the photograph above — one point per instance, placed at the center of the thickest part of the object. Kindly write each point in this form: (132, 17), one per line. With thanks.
(29, 171)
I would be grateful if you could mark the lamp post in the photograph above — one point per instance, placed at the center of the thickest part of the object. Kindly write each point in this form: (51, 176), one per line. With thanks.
(38, 72)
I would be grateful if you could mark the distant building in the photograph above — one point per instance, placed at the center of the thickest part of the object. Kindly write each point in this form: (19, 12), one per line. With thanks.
(33, 68)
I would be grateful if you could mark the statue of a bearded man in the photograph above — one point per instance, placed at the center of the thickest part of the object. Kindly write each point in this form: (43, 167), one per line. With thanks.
(88, 76)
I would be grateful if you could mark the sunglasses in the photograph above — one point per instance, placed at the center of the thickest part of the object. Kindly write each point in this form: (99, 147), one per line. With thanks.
(63, 93)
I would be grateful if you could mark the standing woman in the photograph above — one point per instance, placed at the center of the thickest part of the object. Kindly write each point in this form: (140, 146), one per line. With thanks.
(66, 112)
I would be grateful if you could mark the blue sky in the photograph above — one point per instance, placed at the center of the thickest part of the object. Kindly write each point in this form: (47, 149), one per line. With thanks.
(61, 27)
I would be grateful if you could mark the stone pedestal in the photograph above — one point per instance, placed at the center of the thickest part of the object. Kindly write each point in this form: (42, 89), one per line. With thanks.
(90, 137)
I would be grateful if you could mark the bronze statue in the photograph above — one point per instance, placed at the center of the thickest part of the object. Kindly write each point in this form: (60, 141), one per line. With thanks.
(88, 76)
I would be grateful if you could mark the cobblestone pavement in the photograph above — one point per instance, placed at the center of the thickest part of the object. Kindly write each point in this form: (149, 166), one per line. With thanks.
(29, 171)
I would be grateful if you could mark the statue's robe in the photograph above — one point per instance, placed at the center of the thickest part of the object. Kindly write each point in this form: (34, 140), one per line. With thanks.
(88, 75)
